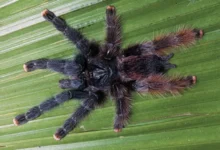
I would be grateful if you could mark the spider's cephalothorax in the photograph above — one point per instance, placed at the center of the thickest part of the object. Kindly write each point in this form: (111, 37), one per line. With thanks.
(105, 69)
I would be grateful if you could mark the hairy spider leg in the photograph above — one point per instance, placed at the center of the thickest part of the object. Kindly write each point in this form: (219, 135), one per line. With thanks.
(49, 104)
(161, 44)
(93, 99)
(122, 97)
(160, 84)
(86, 47)
(112, 44)
(66, 67)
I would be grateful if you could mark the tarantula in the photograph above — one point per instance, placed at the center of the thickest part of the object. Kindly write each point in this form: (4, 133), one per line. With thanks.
(105, 69)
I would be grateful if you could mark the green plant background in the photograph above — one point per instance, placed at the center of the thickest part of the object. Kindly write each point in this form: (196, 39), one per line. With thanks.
(183, 122)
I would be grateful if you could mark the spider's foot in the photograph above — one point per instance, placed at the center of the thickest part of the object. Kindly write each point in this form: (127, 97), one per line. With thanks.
(117, 130)
(15, 121)
(59, 134)
(58, 22)
(48, 15)
(56, 137)
(118, 126)
(35, 64)
(20, 119)
(28, 67)
(110, 10)
(198, 33)
(25, 68)
(192, 79)
(110, 7)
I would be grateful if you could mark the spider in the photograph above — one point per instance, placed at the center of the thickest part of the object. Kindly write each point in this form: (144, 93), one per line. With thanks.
(105, 69)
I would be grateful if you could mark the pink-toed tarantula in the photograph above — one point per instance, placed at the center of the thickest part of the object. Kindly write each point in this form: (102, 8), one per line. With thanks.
(100, 70)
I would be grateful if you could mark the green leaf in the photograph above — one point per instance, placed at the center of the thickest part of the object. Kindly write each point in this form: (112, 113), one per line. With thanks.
(184, 122)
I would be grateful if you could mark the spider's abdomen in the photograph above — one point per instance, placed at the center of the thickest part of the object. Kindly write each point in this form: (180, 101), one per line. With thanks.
(136, 67)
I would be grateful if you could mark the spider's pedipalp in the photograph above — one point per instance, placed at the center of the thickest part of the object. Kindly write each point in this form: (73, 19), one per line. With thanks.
(47, 105)
(168, 66)
(92, 100)
(168, 57)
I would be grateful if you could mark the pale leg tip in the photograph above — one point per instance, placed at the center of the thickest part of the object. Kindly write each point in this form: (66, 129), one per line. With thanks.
(44, 12)
(194, 79)
(201, 33)
(57, 138)
(16, 123)
(117, 130)
(110, 7)
(25, 68)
